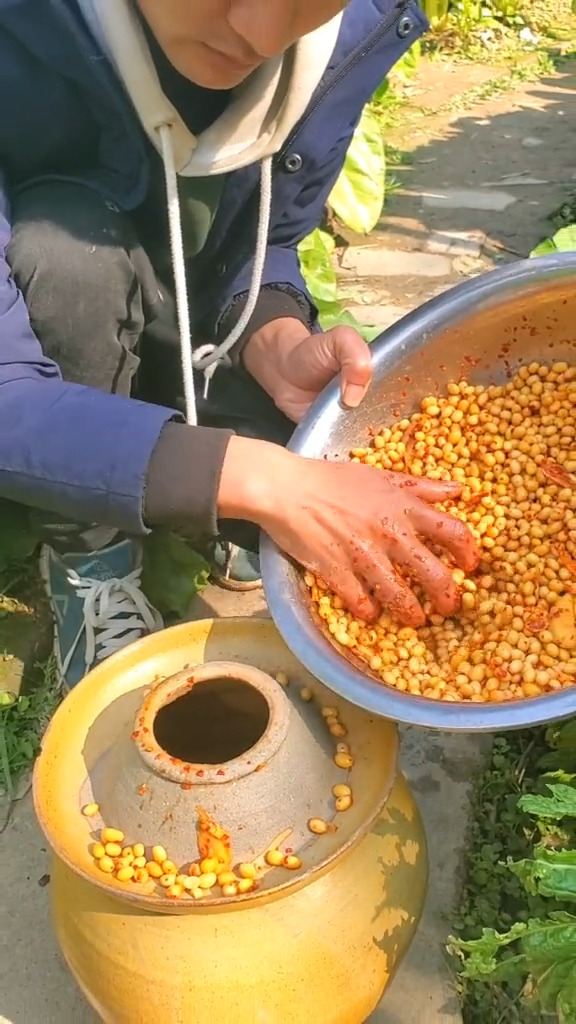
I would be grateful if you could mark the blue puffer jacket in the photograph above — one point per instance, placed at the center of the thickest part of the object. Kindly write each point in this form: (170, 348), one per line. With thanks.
(59, 442)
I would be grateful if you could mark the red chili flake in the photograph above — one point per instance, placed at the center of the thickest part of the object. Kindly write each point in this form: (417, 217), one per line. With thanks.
(200, 773)
(135, 735)
(185, 785)
(220, 772)
(142, 789)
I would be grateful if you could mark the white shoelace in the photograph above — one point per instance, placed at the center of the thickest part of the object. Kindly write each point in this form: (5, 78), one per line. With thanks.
(116, 612)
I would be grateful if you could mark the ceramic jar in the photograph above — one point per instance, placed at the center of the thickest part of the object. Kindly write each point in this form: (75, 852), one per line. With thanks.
(190, 718)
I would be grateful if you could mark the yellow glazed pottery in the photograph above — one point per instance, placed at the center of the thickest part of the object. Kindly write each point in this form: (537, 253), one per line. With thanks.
(193, 716)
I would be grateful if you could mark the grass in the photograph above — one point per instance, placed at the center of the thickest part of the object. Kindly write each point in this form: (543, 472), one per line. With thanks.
(23, 721)
(495, 87)
(493, 896)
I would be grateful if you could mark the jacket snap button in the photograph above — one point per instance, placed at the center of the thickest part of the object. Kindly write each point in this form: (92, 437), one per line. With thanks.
(293, 163)
(405, 27)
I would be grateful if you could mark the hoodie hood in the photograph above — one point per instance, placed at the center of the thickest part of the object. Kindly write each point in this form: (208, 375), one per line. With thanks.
(257, 122)
(254, 127)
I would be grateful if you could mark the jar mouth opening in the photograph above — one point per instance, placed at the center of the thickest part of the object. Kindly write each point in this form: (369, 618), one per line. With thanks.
(214, 722)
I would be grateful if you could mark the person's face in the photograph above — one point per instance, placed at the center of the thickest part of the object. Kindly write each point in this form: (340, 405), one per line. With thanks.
(218, 43)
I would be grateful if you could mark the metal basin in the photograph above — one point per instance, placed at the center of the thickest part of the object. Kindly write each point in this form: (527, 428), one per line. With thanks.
(482, 329)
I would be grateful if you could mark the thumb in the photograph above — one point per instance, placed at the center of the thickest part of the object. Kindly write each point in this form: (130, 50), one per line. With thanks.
(354, 361)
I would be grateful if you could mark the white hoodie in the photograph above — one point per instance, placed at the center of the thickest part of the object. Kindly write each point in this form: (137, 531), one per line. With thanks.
(252, 129)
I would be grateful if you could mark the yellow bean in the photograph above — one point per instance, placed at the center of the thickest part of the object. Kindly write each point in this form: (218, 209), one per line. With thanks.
(245, 885)
(230, 889)
(343, 760)
(159, 854)
(113, 849)
(167, 880)
(227, 878)
(154, 869)
(247, 870)
(139, 849)
(125, 874)
(174, 891)
(343, 803)
(98, 851)
(318, 826)
(112, 835)
(306, 694)
(141, 876)
(209, 865)
(169, 868)
(106, 864)
(208, 880)
(282, 678)
(190, 884)
(341, 790)
(292, 862)
(89, 810)
(274, 858)
(139, 862)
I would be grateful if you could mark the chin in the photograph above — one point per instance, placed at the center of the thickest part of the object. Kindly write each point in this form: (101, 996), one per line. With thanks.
(213, 71)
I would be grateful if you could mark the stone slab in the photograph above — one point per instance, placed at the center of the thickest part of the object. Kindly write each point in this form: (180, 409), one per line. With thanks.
(383, 315)
(377, 261)
(455, 243)
(467, 199)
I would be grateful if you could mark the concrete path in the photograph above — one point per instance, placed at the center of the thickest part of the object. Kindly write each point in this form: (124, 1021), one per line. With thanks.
(459, 212)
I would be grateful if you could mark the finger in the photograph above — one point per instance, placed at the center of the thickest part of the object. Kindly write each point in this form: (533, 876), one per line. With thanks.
(433, 575)
(448, 532)
(353, 359)
(431, 491)
(391, 590)
(355, 595)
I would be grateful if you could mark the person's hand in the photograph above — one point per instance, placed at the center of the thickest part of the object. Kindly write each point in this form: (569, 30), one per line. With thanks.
(293, 366)
(353, 526)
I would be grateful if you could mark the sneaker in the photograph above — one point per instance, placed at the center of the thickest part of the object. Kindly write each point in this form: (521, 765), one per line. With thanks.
(98, 605)
(235, 568)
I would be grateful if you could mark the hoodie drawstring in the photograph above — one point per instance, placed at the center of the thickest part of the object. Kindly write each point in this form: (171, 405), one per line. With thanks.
(208, 357)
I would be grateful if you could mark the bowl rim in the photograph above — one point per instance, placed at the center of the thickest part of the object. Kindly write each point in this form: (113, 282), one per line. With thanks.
(289, 612)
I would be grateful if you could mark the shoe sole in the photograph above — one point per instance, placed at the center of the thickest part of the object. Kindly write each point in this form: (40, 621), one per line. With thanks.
(44, 566)
(237, 586)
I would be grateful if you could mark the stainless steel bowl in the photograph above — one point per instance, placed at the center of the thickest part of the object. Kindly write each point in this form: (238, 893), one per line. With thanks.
(482, 329)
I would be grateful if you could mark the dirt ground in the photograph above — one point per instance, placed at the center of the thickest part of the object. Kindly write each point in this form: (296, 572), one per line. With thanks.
(518, 143)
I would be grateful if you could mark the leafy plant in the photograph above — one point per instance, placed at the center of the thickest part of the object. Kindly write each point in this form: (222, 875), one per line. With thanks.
(315, 253)
(172, 572)
(358, 196)
(563, 241)
(533, 962)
